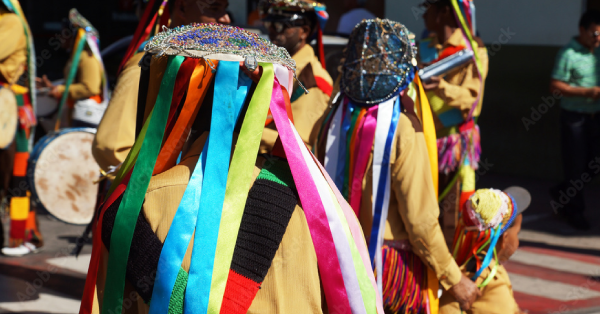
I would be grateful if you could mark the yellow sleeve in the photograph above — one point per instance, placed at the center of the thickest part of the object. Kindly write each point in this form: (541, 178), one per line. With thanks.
(88, 82)
(116, 132)
(463, 88)
(11, 33)
(309, 112)
(417, 202)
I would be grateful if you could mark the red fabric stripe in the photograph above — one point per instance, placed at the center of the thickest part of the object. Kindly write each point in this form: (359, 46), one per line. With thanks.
(321, 48)
(552, 275)
(239, 294)
(17, 229)
(324, 86)
(87, 301)
(539, 305)
(141, 32)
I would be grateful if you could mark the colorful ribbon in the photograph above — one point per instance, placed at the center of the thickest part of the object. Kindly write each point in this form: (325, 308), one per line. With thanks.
(133, 197)
(227, 105)
(80, 42)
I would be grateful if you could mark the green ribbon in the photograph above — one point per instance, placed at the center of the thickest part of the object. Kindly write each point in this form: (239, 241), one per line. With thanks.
(71, 77)
(133, 198)
(239, 181)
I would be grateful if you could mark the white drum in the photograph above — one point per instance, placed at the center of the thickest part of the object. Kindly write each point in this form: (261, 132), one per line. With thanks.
(62, 172)
(9, 117)
(45, 104)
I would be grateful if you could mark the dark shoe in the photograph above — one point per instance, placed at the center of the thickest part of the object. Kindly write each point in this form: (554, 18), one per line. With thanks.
(578, 221)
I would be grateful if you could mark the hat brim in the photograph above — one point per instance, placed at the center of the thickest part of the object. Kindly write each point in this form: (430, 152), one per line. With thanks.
(521, 196)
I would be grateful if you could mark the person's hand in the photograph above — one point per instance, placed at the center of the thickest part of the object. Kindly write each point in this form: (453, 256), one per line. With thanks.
(43, 82)
(593, 92)
(433, 83)
(465, 292)
(54, 92)
(255, 76)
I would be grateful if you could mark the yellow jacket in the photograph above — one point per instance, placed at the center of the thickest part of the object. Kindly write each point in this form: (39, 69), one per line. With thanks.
(116, 132)
(13, 50)
(292, 284)
(88, 80)
(413, 209)
(496, 298)
(309, 108)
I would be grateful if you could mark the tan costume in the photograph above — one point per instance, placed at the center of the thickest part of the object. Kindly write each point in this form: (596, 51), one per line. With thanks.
(13, 51)
(497, 297)
(88, 81)
(460, 88)
(309, 108)
(116, 132)
(277, 294)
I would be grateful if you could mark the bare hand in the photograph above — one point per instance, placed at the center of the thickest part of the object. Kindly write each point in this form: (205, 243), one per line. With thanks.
(593, 92)
(433, 83)
(465, 292)
(43, 82)
(255, 76)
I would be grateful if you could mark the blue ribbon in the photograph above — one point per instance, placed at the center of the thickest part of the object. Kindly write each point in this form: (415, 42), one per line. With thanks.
(186, 218)
(488, 256)
(341, 162)
(230, 93)
(178, 239)
(383, 184)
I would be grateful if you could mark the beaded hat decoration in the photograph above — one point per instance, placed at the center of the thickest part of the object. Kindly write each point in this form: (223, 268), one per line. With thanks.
(79, 21)
(214, 203)
(486, 215)
(219, 42)
(379, 61)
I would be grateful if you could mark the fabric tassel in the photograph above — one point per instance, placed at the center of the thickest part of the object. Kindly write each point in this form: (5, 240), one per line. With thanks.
(404, 282)
(451, 148)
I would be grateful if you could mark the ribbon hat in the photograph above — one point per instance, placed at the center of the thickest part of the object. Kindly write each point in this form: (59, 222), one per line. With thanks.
(379, 65)
(486, 215)
(79, 21)
(202, 59)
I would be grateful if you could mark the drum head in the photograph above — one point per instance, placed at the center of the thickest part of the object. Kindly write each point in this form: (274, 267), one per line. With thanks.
(9, 117)
(64, 176)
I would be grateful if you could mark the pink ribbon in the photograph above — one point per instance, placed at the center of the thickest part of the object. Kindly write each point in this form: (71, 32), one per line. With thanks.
(357, 234)
(366, 137)
(329, 267)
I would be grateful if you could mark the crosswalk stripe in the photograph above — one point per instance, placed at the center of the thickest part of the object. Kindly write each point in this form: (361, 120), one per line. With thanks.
(556, 263)
(550, 289)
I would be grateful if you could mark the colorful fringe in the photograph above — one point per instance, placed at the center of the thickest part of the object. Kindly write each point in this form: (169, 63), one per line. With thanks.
(23, 224)
(404, 282)
(456, 149)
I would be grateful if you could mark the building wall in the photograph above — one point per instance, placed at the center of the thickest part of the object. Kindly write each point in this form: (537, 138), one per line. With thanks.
(536, 22)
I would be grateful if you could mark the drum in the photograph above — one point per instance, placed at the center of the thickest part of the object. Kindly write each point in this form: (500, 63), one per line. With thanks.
(62, 172)
(45, 104)
(9, 117)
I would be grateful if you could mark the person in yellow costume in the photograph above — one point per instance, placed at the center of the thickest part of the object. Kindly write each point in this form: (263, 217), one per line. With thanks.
(292, 24)
(374, 145)
(264, 258)
(455, 99)
(487, 210)
(84, 92)
(16, 55)
(116, 132)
